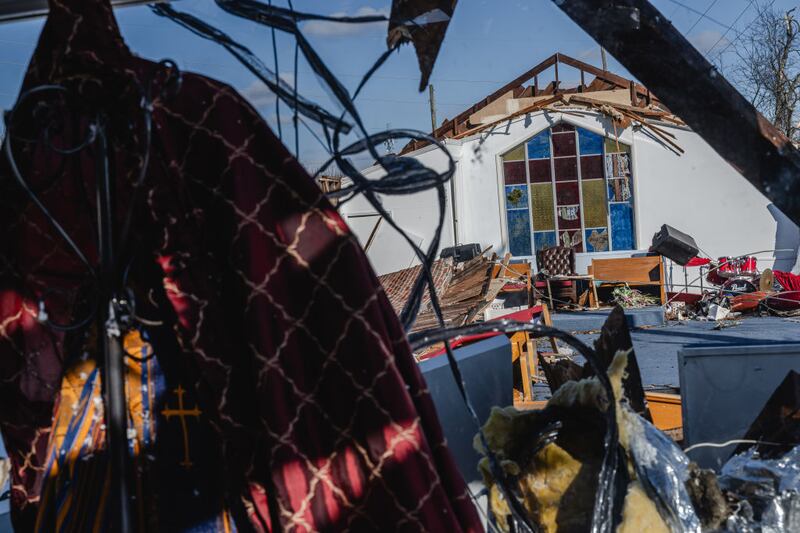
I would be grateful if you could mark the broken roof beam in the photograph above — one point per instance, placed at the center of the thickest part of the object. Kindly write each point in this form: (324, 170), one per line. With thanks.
(518, 85)
(513, 85)
(650, 47)
(604, 75)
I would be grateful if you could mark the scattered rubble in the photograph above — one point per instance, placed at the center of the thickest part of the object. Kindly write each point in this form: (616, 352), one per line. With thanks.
(553, 455)
(632, 298)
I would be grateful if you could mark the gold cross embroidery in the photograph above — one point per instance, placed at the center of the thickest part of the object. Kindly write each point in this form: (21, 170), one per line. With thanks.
(182, 414)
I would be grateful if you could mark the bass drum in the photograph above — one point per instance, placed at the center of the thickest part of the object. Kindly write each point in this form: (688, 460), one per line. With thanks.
(735, 287)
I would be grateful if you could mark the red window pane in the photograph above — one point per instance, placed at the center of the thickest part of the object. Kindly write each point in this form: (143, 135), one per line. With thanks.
(564, 144)
(540, 170)
(569, 217)
(566, 168)
(567, 194)
(514, 172)
(562, 127)
(591, 167)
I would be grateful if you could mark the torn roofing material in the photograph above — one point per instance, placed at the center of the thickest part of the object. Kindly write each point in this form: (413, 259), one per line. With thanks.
(398, 285)
(423, 23)
(620, 98)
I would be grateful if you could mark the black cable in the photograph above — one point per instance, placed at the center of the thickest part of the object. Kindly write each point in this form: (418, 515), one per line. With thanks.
(404, 175)
(171, 85)
(252, 63)
(295, 118)
(277, 80)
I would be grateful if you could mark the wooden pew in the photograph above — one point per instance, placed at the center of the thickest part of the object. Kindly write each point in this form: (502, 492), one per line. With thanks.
(647, 271)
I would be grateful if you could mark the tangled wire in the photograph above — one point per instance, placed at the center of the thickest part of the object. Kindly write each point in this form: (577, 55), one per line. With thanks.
(403, 176)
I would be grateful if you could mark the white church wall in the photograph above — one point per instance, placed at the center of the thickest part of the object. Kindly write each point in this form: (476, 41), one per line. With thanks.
(697, 192)
(702, 195)
(417, 214)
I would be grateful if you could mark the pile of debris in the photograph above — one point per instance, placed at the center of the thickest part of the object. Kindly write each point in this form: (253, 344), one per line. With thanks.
(629, 298)
(765, 293)
(465, 289)
(553, 458)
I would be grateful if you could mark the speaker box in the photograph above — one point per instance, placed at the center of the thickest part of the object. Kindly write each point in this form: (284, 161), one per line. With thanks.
(462, 253)
(674, 245)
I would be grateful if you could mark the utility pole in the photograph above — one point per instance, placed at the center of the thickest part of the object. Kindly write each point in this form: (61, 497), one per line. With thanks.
(603, 58)
(389, 143)
(432, 101)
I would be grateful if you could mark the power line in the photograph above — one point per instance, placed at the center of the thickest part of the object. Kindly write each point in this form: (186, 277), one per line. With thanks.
(743, 31)
(199, 63)
(701, 17)
(726, 33)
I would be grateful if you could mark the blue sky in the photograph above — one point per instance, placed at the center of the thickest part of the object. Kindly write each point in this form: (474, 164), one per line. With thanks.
(488, 43)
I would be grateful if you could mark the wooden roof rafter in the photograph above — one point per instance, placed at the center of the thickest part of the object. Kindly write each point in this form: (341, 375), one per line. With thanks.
(459, 124)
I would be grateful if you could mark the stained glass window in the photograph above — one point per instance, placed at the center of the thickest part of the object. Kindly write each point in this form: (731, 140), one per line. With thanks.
(571, 187)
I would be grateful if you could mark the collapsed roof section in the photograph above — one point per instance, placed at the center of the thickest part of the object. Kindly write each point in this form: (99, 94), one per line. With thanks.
(621, 98)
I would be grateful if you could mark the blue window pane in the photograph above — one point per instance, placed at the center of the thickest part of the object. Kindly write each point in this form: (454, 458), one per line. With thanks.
(622, 227)
(544, 239)
(539, 146)
(596, 240)
(590, 143)
(519, 232)
(516, 196)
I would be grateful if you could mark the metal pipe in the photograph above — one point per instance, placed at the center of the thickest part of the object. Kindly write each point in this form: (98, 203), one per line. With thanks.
(109, 344)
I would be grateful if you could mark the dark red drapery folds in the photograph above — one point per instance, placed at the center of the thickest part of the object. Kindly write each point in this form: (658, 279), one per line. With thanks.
(299, 359)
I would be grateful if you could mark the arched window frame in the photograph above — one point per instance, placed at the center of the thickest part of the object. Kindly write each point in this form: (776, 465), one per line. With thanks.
(548, 160)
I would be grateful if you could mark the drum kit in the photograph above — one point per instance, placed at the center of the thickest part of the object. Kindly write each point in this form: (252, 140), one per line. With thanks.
(734, 275)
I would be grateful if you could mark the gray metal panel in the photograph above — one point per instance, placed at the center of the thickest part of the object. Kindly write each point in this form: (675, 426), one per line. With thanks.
(486, 368)
(724, 388)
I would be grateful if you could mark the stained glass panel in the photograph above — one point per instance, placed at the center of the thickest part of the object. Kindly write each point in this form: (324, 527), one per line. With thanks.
(570, 214)
(592, 167)
(613, 145)
(516, 154)
(590, 143)
(516, 196)
(539, 146)
(544, 239)
(542, 205)
(514, 172)
(540, 170)
(597, 240)
(566, 168)
(618, 165)
(619, 190)
(519, 232)
(571, 239)
(569, 217)
(567, 193)
(622, 227)
(594, 203)
(564, 144)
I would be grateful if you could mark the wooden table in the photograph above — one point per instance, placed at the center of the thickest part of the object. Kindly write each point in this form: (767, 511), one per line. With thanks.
(593, 301)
